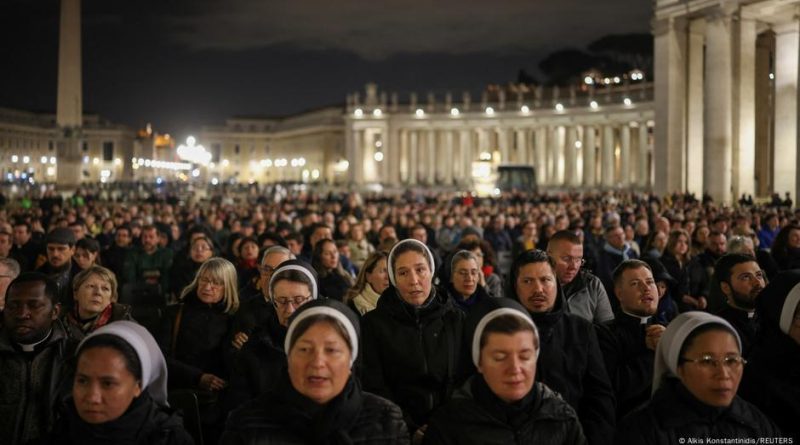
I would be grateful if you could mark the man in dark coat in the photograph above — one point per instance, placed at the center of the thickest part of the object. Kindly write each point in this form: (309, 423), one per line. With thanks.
(114, 257)
(60, 247)
(615, 250)
(25, 249)
(629, 341)
(570, 361)
(33, 349)
(700, 270)
(741, 280)
(149, 264)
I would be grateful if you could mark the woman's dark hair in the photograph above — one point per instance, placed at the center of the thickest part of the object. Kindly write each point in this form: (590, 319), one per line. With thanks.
(698, 332)
(132, 363)
(508, 324)
(780, 248)
(322, 271)
(89, 245)
(306, 323)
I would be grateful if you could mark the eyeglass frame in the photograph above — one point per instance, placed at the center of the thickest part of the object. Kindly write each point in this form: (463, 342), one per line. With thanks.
(572, 260)
(293, 300)
(708, 361)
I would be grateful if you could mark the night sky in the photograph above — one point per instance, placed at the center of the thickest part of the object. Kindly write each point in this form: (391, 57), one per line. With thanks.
(181, 64)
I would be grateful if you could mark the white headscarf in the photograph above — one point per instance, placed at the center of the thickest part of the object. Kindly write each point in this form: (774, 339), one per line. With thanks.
(789, 308)
(154, 367)
(392, 258)
(669, 346)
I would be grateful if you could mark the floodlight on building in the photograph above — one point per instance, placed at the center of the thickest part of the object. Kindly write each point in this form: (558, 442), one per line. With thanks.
(26, 159)
(378, 144)
(44, 159)
(294, 162)
(559, 107)
(454, 112)
(225, 162)
(14, 158)
(358, 112)
(593, 104)
(525, 109)
(212, 165)
(606, 81)
(95, 161)
(378, 156)
(617, 79)
(306, 174)
(771, 76)
(315, 174)
(420, 112)
(214, 181)
(588, 80)
(342, 166)
(53, 160)
(627, 101)
(51, 171)
(86, 159)
(266, 163)
(196, 172)
(377, 112)
(147, 163)
(117, 161)
(489, 111)
(192, 152)
(485, 156)
(253, 165)
(578, 144)
(141, 161)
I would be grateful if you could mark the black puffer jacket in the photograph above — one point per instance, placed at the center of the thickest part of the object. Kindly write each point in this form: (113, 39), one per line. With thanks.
(144, 423)
(202, 339)
(628, 360)
(673, 413)
(253, 313)
(411, 355)
(475, 416)
(258, 365)
(283, 416)
(570, 363)
(32, 385)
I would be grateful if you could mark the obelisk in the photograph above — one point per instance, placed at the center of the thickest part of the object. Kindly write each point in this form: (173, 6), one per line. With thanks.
(69, 109)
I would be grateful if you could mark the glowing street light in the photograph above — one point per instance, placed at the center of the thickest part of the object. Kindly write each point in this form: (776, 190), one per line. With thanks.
(192, 152)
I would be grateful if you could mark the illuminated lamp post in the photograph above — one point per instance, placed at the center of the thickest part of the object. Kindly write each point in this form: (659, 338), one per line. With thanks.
(194, 153)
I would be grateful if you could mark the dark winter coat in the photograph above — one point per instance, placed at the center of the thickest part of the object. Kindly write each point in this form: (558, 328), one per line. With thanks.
(144, 423)
(32, 384)
(411, 355)
(476, 416)
(333, 285)
(253, 313)
(283, 416)
(201, 341)
(459, 302)
(63, 279)
(746, 324)
(674, 413)
(629, 362)
(78, 328)
(571, 363)
(258, 365)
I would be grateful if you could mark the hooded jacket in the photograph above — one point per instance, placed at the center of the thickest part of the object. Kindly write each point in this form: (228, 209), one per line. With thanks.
(33, 384)
(772, 377)
(571, 364)
(411, 355)
(587, 297)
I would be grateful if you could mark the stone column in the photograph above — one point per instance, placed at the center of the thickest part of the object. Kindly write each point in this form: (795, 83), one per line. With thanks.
(644, 151)
(670, 103)
(570, 158)
(358, 159)
(431, 158)
(694, 121)
(522, 147)
(391, 152)
(349, 150)
(589, 158)
(787, 48)
(466, 154)
(413, 152)
(449, 159)
(744, 154)
(607, 157)
(540, 136)
(718, 115)
(554, 159)
(625, 154)
(502, 143)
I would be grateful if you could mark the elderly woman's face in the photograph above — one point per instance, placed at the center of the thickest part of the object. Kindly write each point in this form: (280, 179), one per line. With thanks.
(319, 363)
(103, 388)
(466, 276)
(288, 296)
(93, 296)
(508, 364)
(714, 384)
(413, 277)
(209, 289)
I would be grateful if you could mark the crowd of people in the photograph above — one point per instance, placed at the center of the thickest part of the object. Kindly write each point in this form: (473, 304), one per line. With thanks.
(147, 315)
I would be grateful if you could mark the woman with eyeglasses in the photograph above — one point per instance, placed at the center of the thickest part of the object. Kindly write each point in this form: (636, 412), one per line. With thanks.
(412, 340)
(464, 287)
(772, 380)
(317, 399)
(483, 251)
(698, 367)
(258, 364)
(183, 272)
(195, 338)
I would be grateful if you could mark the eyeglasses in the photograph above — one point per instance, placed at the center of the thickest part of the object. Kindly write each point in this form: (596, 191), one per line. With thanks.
(206, 282)
(266, 269)
(573, 260)
(710, 363)
(295, 301)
